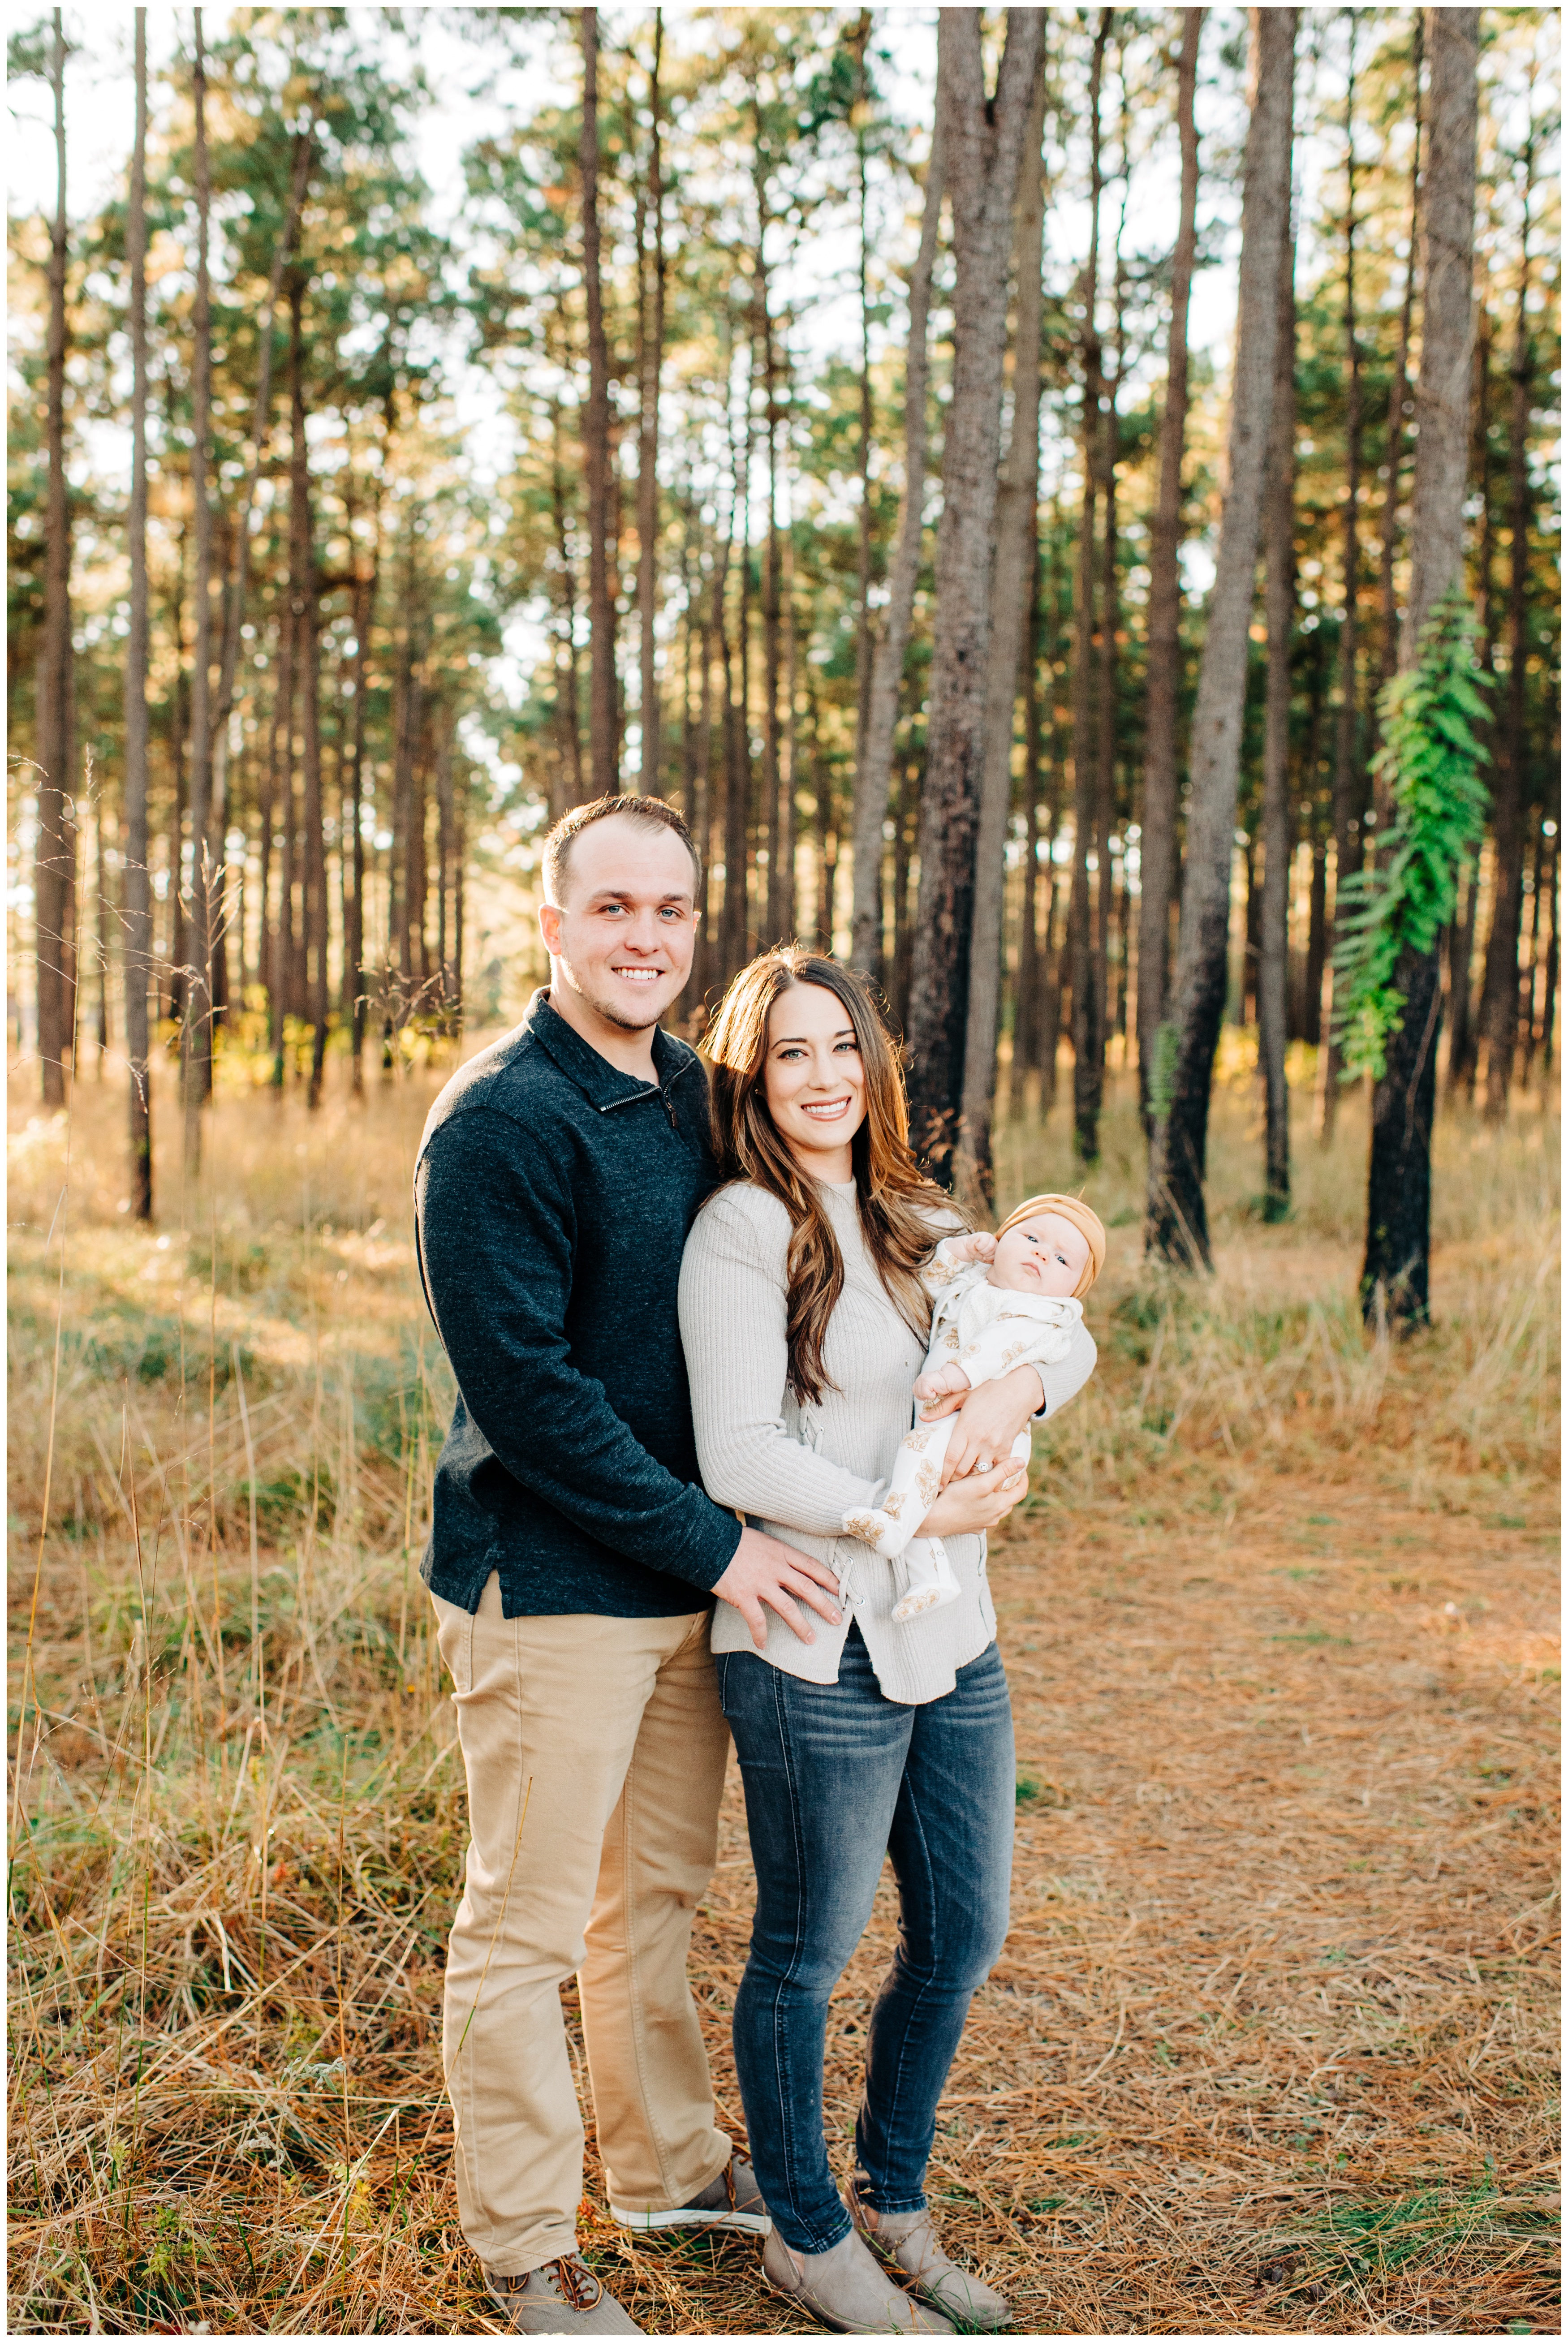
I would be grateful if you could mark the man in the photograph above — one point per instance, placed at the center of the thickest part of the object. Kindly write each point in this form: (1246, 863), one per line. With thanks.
(573, 1561)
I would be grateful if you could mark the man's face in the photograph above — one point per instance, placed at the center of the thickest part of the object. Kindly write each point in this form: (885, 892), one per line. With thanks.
(623, 939)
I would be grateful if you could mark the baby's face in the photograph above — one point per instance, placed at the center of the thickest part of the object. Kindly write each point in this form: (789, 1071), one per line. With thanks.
(1046, 1254)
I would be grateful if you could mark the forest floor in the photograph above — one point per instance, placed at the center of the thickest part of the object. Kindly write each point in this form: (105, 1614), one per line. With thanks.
(1271, 2045)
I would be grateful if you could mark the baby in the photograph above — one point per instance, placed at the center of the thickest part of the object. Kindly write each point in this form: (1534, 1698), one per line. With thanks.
(1004, 1301)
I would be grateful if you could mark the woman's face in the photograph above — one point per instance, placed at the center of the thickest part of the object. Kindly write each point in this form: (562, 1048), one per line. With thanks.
(813, 1080)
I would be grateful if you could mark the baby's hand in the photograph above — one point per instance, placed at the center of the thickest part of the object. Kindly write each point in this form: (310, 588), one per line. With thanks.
(943, 1382)
(978, 1245)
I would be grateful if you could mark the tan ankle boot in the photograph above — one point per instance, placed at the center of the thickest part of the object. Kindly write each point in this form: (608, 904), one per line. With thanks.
(845, 2290)
(908, 2242)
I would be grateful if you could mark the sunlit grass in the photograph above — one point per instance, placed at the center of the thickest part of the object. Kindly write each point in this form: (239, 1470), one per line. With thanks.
(239, 1821)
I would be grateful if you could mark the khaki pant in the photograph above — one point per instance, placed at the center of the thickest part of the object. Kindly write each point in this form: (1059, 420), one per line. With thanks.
(594, 1750)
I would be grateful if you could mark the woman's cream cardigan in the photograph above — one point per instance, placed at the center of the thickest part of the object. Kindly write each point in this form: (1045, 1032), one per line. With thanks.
(795, 1471)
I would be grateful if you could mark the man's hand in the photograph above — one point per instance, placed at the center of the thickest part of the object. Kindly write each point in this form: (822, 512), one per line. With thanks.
(989, 1420)
(762, 1571)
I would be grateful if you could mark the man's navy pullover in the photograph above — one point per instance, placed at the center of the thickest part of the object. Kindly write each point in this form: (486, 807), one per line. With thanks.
(553, 1198)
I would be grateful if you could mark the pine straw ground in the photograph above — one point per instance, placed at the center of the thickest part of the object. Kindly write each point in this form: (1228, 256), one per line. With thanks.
(1270, 2046)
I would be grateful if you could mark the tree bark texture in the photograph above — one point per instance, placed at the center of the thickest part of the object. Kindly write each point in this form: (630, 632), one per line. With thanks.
(1394, 1274)
(652, 291)
(1279, 568)
(865, 639)
(1177, 1219)
(1399, 387)
(873, 776)
(235, 610)
(601, 596)
(197, 1055)
(985, 144)
(1509, 792)
(137, 895)
(1348, 778)
(1012, 597)
(1088, 996)
(54, 862)
(1026, 984)
(305, 593)
(1157, 836)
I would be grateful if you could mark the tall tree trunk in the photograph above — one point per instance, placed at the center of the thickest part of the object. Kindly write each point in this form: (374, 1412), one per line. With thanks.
(1510, 792)
(1348, 780)
(1463, 1036)
(906, 817)
(445, 831)
(56, 853)
(703, 796)
(459, 860)
(269, 964)
(101, 910)
(1157, 838)
(984, 146)
(771, 909)
(137, 913)
(407, 718)
(737, 750)
(1088, 1027)
(600, 597)
(874, 774)
(304, 592)
(1399, 384)
(1394, 1275)
(353, 967)
(198, 1032)
(788, 921)
(652, 315)
(261, 412)
(1548, 975)
(568, 696)
(177, 704)
(1461, 956)
(864, 640)
(1027, 987)
(1107, 661)
(1177, 1220)
(1011, 595)
(1279, 567)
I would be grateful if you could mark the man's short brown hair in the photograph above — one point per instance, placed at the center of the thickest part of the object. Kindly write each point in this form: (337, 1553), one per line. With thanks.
(652, 811)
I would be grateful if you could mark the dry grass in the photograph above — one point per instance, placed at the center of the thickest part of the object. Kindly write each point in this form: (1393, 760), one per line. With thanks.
(1270, 2048)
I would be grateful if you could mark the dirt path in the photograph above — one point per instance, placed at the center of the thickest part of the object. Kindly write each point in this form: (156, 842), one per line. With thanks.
(1269, 2046)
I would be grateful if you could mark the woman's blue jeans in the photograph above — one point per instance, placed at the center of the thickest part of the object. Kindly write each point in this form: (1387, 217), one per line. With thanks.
(836, 1777)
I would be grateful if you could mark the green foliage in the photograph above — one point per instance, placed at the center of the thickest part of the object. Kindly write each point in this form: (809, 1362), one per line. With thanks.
(1431, 760)
(1162, 1072)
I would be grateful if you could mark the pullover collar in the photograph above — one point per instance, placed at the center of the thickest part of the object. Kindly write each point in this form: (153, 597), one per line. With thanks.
(602, 1084)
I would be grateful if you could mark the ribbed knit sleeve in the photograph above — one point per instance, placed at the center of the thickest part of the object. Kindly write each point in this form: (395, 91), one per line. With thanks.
(1066, 1377)
(733, 1330)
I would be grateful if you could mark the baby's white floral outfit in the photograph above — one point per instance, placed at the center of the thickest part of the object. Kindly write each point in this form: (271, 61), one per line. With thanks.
(986, 1330)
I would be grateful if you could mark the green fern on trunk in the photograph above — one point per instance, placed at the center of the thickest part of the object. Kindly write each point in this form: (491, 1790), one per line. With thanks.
(1431, 761)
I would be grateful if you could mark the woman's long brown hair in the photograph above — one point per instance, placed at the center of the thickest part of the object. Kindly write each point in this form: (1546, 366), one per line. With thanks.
(895, 1197)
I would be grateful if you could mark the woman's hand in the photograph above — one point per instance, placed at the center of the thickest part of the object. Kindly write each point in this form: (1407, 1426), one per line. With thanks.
(989, 1421)
(967, 1506)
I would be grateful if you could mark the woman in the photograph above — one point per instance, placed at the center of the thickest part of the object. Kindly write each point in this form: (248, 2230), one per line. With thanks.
(805, 1325)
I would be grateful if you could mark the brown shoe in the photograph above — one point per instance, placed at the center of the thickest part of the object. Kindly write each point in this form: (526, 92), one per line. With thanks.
(733, 2200)
(906, 2242)
(564, 2297)
(845, 2290)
